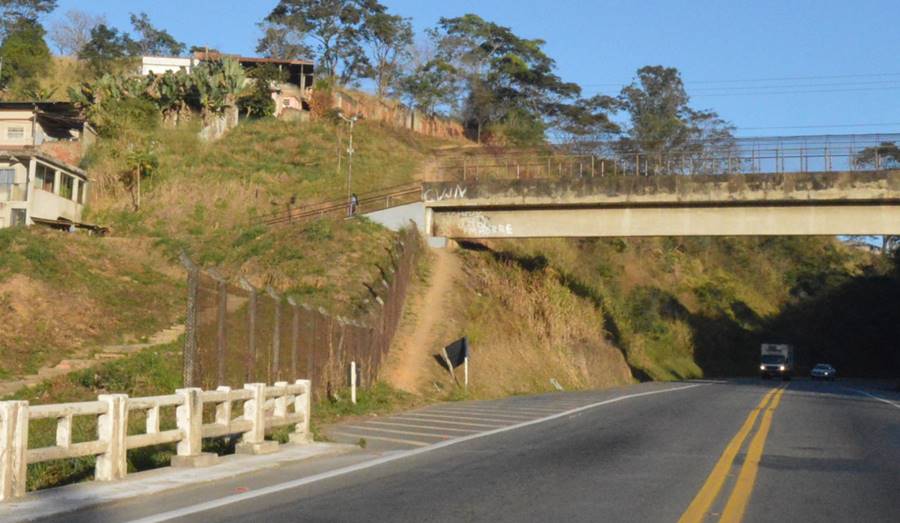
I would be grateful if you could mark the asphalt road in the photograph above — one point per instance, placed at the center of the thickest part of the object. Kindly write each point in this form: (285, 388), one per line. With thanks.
(744, 450)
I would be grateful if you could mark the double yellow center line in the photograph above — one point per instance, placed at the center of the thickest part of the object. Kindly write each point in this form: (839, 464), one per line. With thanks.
(740, 494)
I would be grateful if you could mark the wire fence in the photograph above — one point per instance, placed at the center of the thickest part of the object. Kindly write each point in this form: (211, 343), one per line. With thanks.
(237, 333)
(773, 155)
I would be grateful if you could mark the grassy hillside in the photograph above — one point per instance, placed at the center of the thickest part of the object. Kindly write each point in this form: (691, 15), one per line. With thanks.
(690, 307)
(61, 292)
(207, 198)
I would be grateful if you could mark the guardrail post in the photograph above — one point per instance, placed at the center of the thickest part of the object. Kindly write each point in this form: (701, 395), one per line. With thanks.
(112, 428)
(223, 410)
(189, 419)
(13, 446)
(281, 402)
(254, 440)
(303, 403)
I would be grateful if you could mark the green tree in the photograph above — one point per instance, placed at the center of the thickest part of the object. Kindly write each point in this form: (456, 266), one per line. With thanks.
(584, 123)
(25, 56)
(115, 104)
(257, 101)
(662, 120)
(885, 155)
(500, 74)
(154, 41)
(141, 162)
(12, 12)
(428, 86)
(336, 28)
(108, 50)
(282, 42)
(390, 38)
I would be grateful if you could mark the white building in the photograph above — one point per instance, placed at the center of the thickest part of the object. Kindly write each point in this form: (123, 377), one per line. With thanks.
(35, 188)
(163, 64)
(37, 184)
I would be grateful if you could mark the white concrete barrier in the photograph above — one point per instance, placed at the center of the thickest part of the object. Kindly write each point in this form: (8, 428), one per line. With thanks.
(264, 409)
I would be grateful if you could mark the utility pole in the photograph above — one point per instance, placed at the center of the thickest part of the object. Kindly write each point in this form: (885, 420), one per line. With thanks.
(350, 151)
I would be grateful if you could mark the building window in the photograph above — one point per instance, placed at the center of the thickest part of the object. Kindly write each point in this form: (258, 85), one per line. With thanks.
(81, 186)
(7, 179)
(67, 188)
(15, 133)
(18, 217)
(44, 178)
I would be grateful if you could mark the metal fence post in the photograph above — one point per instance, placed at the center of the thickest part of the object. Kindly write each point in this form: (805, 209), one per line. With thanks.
(13, 448)
(251, 329)
(221, 320)
(189, 364)
(295, 335)
(112, 429)
(275, 360)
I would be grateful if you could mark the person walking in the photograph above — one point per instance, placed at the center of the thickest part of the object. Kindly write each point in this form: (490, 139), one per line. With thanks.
(354, 204)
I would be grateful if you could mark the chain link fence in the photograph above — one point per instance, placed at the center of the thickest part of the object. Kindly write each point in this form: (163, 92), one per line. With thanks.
(770, 155)
(237, 333)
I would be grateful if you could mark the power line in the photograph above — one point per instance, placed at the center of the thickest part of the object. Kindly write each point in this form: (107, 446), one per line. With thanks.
(813, 91)
(800, 86)
(751, 80)
(821, 126)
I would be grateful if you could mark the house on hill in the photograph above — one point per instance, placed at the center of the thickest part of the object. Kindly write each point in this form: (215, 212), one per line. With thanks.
(292, 94)
(39, 143)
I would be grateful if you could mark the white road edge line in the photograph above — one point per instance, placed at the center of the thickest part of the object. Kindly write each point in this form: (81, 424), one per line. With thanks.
(411, 425)
(492, 415)
(452, 415)
(879, 398)
(237, 498)
(405, 432)
(381, 438)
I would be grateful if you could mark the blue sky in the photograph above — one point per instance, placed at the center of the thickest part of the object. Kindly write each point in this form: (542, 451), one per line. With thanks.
(769, 66)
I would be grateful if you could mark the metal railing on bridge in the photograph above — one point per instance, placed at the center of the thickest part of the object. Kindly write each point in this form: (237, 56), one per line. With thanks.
(340, 207)
(744, 156)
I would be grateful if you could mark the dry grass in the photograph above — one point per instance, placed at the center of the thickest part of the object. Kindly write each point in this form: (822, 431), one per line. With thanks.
(205, 198)
(525, 329)
(61, 292)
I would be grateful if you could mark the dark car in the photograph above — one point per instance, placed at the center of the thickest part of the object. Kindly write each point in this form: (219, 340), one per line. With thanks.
(823, 371)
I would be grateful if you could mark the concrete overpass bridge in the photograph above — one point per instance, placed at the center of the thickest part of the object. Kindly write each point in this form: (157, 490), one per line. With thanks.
(805, 203)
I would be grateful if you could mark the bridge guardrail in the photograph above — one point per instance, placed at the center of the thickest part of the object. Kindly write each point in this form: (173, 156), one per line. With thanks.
(339, 208)
(683, 163)
(263, 408)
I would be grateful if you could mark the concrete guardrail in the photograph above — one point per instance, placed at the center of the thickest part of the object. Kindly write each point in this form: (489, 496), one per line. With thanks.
(264, 408)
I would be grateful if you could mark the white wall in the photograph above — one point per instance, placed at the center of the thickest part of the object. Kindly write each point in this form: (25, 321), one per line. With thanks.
(18, 120)
(162, 64)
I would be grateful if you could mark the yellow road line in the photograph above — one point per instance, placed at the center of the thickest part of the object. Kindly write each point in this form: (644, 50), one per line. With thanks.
(696, 511)
(743, 488)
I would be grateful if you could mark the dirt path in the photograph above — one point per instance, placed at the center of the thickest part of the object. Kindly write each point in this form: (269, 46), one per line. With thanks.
(84, 359)
(416, 340)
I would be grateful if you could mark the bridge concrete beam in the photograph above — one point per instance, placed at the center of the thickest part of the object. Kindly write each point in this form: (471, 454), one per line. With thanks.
(752, 220)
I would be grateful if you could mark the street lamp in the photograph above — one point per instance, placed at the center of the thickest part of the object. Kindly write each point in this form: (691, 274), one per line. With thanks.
(350, 151)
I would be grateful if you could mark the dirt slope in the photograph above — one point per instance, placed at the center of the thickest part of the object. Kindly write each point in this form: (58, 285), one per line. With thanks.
(419, 335)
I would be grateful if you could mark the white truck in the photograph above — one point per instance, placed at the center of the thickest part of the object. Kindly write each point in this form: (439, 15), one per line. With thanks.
(776, 360)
